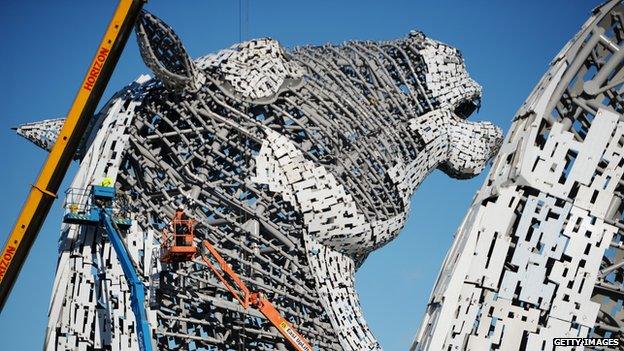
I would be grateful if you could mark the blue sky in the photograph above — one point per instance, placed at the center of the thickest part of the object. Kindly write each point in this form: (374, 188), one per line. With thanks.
(47, 46)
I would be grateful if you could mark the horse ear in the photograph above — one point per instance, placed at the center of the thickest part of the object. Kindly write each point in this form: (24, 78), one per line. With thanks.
(163, 52)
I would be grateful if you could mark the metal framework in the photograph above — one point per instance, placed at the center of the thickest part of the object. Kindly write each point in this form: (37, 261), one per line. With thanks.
(540, 254)
(297, 164)
(42, 133)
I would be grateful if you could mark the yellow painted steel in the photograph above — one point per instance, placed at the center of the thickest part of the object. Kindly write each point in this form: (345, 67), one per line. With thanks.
(50, 169)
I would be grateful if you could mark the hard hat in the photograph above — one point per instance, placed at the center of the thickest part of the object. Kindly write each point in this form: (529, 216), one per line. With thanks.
(108, 182)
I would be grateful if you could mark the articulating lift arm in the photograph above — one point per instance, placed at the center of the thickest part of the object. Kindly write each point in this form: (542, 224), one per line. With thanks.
(247, 298)
(43, 192)
(98, 212)
(137, 290)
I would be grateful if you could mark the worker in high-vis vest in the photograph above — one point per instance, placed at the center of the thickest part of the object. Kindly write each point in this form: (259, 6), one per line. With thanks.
(107, 182)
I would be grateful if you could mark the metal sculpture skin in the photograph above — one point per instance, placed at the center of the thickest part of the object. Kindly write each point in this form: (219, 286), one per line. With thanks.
(297, 165)
(540, 254)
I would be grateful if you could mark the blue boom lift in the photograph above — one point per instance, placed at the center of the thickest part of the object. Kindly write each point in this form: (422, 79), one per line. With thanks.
(99, 212)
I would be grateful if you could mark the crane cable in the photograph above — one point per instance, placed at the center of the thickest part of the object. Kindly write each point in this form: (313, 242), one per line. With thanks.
(243, 33)
(243, 20)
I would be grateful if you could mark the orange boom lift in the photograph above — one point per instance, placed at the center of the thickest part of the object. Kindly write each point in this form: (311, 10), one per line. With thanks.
(178, 246)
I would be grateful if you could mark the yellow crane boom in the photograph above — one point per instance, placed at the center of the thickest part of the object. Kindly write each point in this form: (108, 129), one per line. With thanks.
(43, 191)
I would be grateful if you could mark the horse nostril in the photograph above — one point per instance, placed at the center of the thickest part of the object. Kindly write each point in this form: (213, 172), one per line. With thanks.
(465, 108)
